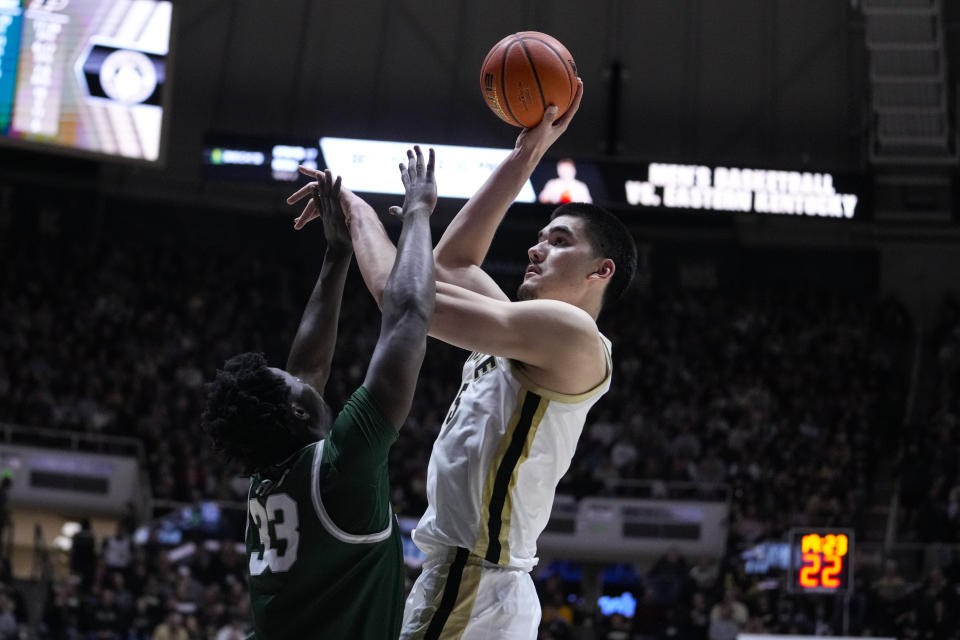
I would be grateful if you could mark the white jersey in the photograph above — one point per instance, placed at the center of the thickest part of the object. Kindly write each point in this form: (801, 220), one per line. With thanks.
(494, 469)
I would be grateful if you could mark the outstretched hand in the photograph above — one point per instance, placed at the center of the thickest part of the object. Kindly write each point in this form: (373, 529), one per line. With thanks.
(539, 138)
(324, 203)
(419, 183)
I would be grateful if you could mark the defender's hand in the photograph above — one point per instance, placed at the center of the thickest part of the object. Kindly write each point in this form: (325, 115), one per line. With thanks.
(539, 138)
(324, 203)
(419, 183)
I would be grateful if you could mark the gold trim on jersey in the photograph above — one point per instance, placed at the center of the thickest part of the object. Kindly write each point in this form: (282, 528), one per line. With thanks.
(516, 368)
(497, 503)
(566, 398)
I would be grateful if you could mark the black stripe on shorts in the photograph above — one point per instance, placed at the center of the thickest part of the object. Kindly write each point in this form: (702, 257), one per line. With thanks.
(450, 592)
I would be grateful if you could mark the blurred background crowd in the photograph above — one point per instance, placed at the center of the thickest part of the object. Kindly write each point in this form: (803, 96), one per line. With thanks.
(792, 399)
(800, 370)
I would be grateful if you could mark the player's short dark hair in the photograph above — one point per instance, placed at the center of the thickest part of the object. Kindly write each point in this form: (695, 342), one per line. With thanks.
(610, 238)
(248, 412)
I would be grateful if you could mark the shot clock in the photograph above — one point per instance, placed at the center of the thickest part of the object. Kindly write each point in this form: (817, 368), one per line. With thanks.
(821, 561)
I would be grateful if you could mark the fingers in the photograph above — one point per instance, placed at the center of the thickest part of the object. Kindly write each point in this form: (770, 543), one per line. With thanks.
(307, 171)
(322, 194)
(420, 164)
(302, 193)
(415, 166)
(550, 118)
(574, 106)
(395, 211)
(309, 213)
(549, 115)
(326, 180)
(411, 164)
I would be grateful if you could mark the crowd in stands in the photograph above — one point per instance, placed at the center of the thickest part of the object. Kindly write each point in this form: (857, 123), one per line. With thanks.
(120, 591)
(707, 600)
(773, 393)
(930, 462)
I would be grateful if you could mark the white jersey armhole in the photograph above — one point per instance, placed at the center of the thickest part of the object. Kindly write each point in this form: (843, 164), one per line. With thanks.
(566, 398)
(325, 518)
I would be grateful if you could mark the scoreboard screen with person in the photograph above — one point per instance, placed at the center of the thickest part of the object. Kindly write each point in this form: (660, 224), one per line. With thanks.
(87, 76)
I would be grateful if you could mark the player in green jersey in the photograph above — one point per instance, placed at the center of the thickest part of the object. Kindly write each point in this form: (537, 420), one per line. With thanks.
(324, 550)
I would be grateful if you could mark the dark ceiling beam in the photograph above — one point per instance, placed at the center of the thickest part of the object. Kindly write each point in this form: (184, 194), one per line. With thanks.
(217, 114)
(425, 36)
(440, 55)
(614, 75)
(296, 81)
(455, 93)
(382, 40)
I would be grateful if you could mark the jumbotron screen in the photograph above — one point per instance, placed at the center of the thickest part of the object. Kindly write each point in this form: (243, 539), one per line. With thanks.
(85, 75)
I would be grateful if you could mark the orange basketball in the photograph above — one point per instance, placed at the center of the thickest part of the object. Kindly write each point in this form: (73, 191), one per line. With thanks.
(524, 74)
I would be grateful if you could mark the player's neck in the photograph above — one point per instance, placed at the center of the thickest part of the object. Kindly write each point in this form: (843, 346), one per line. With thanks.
(593, 309)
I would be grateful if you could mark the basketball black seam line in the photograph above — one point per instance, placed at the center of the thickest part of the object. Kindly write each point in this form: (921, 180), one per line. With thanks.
(503, 84)
(564, 62)
(483, 68)
(536, 76)
(490, 54)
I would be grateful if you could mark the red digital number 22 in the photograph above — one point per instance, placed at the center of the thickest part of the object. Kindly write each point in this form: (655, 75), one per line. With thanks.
(809, 572)
(832, 567)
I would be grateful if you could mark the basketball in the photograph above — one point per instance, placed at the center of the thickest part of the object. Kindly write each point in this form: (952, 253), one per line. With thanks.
(524, 74)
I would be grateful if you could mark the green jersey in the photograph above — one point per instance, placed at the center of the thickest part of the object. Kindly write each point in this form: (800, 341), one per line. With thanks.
(324, 548)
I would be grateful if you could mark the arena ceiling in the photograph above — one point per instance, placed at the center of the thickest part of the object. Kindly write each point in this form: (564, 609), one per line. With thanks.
(703, 80)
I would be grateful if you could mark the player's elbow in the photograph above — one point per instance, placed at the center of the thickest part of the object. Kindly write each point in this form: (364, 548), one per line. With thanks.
(410, 315)
(405, 335)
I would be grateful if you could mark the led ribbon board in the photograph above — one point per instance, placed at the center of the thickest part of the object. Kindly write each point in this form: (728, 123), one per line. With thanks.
(259, 161)
(371, 166)
(821, 560)
(735, 189)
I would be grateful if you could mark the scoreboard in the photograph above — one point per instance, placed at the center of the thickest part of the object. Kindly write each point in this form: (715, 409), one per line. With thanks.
(821, 561)
(88, 76)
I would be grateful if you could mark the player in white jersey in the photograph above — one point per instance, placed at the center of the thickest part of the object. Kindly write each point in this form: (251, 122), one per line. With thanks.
(537, 366)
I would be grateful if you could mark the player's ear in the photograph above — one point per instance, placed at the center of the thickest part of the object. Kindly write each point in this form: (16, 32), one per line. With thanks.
(604, 270)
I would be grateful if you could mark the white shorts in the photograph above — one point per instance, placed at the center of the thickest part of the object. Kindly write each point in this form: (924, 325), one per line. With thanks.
(460, 596)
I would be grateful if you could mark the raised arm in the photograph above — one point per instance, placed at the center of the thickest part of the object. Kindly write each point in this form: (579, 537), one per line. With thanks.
(558, 343)
(408, 296)
(375, 250)
(464, 244)
(312, 349)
